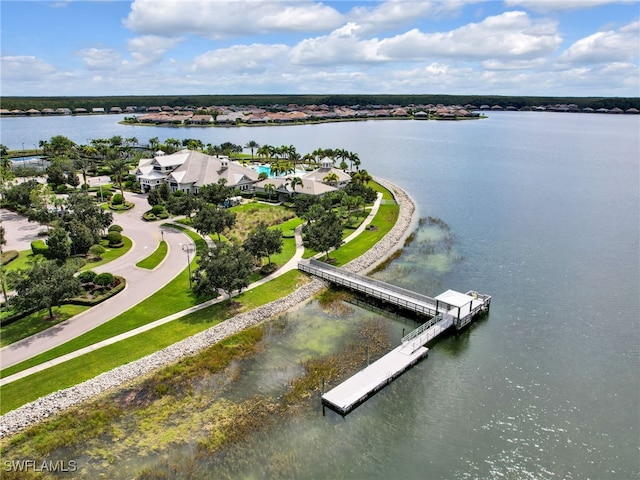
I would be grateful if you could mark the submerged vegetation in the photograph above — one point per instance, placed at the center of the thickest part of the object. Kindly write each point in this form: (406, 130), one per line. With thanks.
(183, 408)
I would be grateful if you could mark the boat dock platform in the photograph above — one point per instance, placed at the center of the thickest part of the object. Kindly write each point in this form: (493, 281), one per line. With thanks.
(449, 309)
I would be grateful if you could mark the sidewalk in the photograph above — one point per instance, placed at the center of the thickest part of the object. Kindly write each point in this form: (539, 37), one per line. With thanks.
(290, 265)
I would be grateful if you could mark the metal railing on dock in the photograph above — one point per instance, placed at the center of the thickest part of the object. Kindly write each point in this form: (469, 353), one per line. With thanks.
(392, 294)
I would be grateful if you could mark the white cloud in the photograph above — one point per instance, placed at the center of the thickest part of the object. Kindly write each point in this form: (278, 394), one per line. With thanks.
(240, 58)
(217, 19)
(605, 47)
(24, 67)
(545, 6)
(150, 49)
(511, 35)
(339, 47)
(100, 58)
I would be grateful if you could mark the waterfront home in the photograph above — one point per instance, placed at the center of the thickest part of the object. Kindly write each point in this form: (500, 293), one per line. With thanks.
(198, 169)
(152, 172)
(188, 170)
(325, 173)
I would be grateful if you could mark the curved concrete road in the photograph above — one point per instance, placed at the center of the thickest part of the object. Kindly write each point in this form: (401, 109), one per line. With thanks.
(141, 283)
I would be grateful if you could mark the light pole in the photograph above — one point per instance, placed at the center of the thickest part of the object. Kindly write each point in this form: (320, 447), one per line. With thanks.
(187, 247)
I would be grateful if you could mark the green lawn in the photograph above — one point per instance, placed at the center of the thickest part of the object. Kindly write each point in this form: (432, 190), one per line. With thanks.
(37, 322)
(111, 253)
(88, 366)
(172, 298)
(153, 260)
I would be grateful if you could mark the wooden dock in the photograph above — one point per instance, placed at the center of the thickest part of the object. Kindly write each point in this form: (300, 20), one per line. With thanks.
(447, 310)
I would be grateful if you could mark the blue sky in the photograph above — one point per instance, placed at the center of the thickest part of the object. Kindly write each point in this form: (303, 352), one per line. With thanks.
(170, 47)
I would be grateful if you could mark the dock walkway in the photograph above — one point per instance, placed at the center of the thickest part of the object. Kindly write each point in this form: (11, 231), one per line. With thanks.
(447, 310)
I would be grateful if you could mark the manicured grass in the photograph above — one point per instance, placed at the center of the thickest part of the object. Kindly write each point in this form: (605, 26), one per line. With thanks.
(153, 260)
(24, 260)
(200, 242)
(37, 322)
(383, 222)
(111, 253)
(88, 366)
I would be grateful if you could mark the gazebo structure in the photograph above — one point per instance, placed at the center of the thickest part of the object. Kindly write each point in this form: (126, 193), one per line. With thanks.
(459, 305)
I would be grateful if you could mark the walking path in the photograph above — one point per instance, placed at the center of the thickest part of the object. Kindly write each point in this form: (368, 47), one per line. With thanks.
(292, 264)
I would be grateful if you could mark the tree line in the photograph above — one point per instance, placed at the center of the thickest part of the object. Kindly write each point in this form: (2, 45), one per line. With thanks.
(106, 102)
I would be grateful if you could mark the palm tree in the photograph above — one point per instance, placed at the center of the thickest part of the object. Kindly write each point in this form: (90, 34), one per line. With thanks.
(295, 181)
(269, 188)
(354, 158)
(154, 143)
(263, 151)
(294, 158)
(331, 178)
(252, 144)
(119, 167)
(82, 163)
(365, 177)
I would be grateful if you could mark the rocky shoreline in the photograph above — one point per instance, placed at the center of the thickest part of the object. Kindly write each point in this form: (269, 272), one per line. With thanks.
(54, 403)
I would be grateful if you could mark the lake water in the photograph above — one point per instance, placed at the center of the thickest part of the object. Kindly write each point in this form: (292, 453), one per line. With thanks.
(542, 213)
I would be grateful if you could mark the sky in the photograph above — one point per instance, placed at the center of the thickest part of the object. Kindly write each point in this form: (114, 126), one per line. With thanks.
(191, 47)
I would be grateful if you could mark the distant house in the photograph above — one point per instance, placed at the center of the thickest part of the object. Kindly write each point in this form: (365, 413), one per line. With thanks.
(115, 110)
(79, 111)
(98, 110)
(201, 119)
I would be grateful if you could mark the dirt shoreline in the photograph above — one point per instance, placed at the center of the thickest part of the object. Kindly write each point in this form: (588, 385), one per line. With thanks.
(50, 405)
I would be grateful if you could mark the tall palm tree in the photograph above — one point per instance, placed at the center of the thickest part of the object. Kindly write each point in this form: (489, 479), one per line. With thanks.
(119, 168)
(263, 151)
(252, 144)
(354, 159)
(269, 188)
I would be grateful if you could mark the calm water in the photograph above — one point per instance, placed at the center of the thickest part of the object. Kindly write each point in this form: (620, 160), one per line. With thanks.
(543, 214)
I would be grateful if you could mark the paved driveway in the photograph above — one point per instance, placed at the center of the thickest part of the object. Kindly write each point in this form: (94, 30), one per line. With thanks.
(141, 283)
(18, 231)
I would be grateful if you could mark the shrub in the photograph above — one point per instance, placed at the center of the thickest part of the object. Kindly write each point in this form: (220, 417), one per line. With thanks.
(117, 199)
(38, 247)
(88, 276)
(114, 228)
(114, 238)
(9, 256)
(104, 279)
(157, 209)
(61, 189)
(97, 251)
